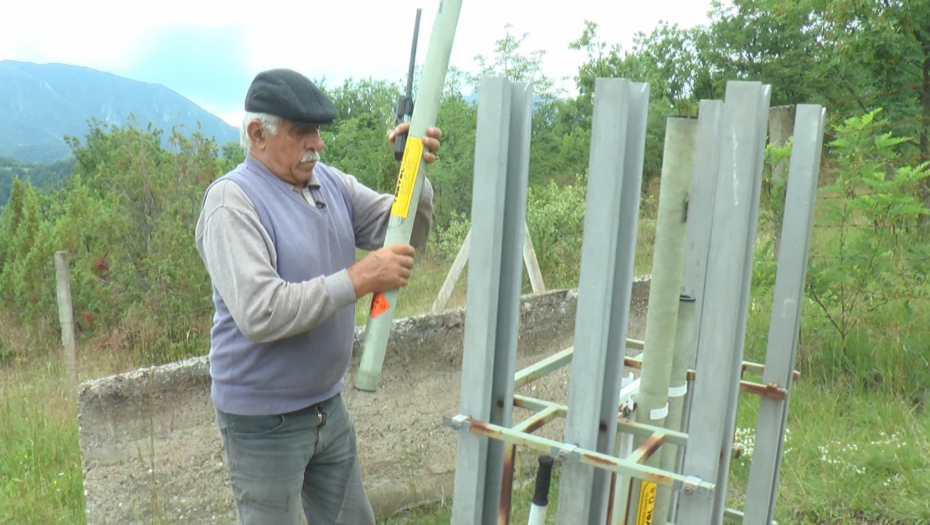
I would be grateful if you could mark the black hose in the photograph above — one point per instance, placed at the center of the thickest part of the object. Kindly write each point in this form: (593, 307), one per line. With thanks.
(543, 476)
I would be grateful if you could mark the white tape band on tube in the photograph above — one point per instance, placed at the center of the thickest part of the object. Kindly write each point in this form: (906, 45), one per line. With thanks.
(659, 413)
(678, 391)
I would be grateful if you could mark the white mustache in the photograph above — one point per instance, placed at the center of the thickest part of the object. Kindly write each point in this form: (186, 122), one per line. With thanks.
(310, 156)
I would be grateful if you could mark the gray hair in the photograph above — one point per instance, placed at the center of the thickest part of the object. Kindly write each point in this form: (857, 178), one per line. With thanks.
(269, 124)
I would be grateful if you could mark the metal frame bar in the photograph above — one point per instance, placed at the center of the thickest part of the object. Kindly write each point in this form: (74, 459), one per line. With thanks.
(555, 361)
(564, 357)
(738, 515)
(758, 155)
(547, 411)
(612, 209)
(481, 337)
(499, 212)
(500, 470)
(623, 424)
(788, 298)
(571, 454)
(724, 312)
(622, 484)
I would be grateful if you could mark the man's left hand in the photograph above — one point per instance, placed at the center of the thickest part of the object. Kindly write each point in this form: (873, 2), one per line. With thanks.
(430, 141)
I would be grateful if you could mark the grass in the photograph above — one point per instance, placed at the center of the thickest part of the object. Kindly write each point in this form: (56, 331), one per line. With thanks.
(857, 452)
(850, 457)
(41, 479)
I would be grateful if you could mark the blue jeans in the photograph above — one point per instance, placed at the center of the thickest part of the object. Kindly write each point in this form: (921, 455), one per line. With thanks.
(304, 460)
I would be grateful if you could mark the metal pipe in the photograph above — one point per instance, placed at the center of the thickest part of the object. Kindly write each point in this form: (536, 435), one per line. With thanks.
(618, 132)
(558, 360)
(621, 484)
(503, 508)
(772, 390)
(409, 183)
(529, 425)
(678, 387)
(667, 268)
(623, 425)
(574, 454)
(621, 495)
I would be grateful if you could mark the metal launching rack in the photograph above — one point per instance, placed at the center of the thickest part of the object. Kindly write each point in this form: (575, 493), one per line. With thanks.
(654, 449)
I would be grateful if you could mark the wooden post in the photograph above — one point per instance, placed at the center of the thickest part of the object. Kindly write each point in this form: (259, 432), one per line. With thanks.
(532, 265)
(446, 291)
(529, 258)
(66, 318)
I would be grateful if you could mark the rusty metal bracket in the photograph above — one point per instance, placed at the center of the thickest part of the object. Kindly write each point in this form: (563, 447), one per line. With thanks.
(568, 452)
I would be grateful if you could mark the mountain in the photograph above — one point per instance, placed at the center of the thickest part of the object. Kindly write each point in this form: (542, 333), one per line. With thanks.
(41, 103)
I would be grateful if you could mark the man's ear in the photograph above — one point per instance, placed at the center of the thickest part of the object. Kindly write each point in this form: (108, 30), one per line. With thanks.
(256, 134)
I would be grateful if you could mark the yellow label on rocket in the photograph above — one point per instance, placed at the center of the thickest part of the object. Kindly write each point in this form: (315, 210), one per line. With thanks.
(409, 165)
(647, 503)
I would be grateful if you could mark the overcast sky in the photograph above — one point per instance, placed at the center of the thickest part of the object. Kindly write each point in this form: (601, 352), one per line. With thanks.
(209, 51)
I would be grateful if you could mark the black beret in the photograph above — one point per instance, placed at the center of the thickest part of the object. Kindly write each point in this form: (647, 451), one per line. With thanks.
(289, 95)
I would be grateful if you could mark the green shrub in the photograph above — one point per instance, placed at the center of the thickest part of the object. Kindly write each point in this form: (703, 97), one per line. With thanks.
(868, 266)
(555, 216)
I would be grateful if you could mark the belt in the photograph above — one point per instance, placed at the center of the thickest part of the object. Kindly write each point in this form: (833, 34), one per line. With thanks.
(316, 408)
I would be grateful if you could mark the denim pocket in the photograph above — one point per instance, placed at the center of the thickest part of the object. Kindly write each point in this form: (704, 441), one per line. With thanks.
(252, 425)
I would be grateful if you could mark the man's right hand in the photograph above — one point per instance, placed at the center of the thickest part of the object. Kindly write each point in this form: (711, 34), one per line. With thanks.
(383, 269)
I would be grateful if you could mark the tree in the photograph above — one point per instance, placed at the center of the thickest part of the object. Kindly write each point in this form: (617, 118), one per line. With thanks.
(40, 175)
(23, 235)
(232, 155)
(11, 214)
(356, 143)
(511, 62)
(873, 261)
(640, 65)
(452, 173)
(888, 41)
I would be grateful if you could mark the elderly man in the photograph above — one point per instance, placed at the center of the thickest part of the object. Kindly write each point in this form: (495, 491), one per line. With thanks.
(278, 236)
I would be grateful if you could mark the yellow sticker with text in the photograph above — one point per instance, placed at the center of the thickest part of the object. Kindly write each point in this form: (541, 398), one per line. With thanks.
(647, 503)
(409, 166)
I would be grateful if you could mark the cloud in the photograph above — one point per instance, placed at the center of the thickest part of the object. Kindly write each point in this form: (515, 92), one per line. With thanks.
(209, 65)
(233, 118)
(102, 34)
(209, 50)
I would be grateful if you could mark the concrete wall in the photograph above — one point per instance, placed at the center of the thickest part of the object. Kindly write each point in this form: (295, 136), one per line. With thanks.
(150, 444)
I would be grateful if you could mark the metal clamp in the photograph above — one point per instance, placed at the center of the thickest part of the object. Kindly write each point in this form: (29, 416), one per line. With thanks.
(692, 486)
(457, 422)
(565, 451)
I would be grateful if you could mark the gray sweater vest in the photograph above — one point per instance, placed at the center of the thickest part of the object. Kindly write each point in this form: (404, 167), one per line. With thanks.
(295, 372)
